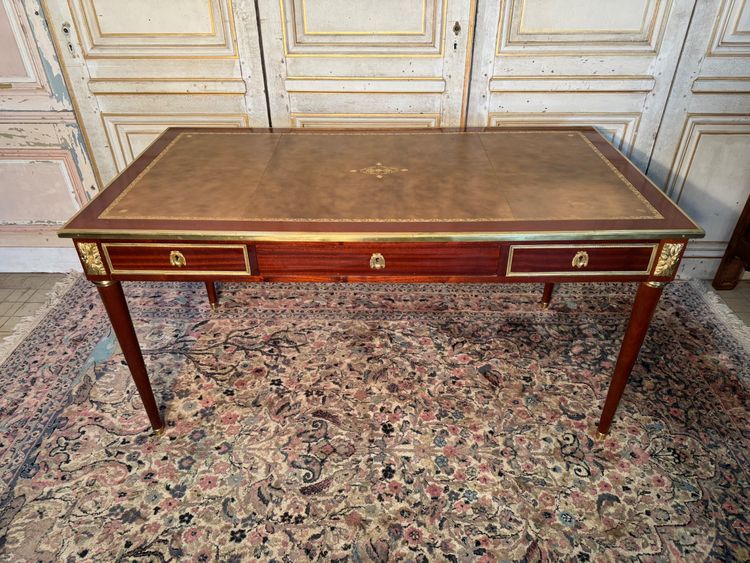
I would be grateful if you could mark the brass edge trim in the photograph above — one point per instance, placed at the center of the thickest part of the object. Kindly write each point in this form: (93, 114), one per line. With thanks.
(509, 273)
(306, 236)
(113, 271)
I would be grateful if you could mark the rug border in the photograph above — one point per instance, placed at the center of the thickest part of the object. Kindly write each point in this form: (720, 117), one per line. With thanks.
(729, 319)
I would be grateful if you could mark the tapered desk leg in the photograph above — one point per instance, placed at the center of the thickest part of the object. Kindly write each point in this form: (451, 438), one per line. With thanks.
(643, 309)
(117, 309)
(547, 295)
(211, 289)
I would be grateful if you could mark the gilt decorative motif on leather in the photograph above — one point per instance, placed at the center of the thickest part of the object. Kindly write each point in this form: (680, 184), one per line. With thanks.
(379, 170)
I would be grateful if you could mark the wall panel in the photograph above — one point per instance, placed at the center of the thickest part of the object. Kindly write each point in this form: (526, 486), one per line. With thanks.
(139, 67)
(595, 62)
(45, 172)
(702, 152)
(340, 59)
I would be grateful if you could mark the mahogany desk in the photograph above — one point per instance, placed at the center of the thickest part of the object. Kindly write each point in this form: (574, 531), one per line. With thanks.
(494, 205)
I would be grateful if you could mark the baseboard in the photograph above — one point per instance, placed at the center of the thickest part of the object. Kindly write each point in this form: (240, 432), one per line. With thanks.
(699, 268)
(38, 259)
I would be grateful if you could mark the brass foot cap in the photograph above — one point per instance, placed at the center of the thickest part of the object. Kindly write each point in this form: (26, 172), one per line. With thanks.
(159, 431)
(600, 436)
(544, 305)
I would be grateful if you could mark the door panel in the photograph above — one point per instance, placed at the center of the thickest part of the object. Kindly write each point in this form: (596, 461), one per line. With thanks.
(344, 63)
(702, 152)
(138, 67)
(45, 174)
(605, 63)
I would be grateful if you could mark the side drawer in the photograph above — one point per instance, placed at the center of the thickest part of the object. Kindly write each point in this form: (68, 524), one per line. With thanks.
(386, 259)
(177, 259)
(580, 259)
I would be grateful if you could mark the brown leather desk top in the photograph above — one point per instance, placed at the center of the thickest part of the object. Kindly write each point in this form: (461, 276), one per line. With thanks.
(495, 184)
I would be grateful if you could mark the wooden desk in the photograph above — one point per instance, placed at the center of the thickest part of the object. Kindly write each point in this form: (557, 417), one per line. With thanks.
(495, 205)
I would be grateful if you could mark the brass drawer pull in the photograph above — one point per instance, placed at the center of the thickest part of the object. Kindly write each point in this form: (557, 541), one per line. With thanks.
(377, 262)
(581, 259)
(177, 259)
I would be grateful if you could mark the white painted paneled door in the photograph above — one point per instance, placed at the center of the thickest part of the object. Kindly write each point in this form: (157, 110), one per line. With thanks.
(344, 63)
(607, 63)
(702, 151)
(136, 67)
(45, 173)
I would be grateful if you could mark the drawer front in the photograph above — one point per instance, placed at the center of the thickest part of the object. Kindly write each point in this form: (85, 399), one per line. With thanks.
(177, 259)
(386, 259)
(580, 259)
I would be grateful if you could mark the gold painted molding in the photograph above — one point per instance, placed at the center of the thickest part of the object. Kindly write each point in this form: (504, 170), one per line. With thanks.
(650, 44)
(93, 50)
(438, 41)
(327, 120)
(306, 31)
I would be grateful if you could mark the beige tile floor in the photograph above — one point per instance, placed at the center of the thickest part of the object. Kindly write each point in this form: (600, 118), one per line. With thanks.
(21, 295)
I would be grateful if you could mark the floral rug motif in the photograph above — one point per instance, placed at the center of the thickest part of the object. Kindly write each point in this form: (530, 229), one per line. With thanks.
(328, 422)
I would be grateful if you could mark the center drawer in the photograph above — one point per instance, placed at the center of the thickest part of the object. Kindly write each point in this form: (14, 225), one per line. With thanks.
(385, 259)
(177, 259)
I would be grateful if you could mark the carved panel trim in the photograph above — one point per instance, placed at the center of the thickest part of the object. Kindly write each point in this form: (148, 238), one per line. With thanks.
(727, 38)
(620, 128)
(560, 83)
(696, 126)
(122, 127)
(364, 120)
(34, 78)
(219, 43)
(63, 157)
(300, 42)
(514, 39)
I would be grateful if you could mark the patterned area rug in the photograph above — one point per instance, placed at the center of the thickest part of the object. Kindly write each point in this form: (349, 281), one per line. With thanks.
(375, 423)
